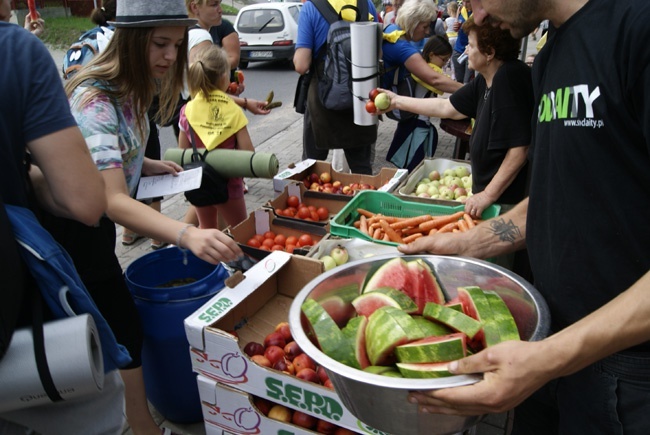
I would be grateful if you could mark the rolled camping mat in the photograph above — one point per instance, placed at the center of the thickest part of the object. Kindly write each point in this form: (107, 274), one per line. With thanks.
(231, 163)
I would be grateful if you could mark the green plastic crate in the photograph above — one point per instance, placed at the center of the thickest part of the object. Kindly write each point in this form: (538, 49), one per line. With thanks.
(389, 205)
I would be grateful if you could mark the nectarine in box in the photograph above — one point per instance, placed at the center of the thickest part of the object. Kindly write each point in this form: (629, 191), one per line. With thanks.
(251, 310)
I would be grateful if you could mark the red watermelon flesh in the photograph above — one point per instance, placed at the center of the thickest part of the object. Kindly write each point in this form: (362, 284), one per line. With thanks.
(424, 285)
(394, 273)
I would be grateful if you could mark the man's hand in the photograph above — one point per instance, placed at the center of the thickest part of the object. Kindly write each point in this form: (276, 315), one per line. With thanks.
(512, 371)
(35, 26)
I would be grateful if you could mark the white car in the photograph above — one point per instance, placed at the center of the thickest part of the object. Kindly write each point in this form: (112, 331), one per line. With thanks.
(267, 31)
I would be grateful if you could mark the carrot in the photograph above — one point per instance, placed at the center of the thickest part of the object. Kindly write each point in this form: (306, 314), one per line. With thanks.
(377, 234)
(412, 237)
(411, 222)
(365, 213)
(392, 234)
(363, 224)
(462, 225)
(386, 238)
(433, 231)
(469, 220)
(447, 228)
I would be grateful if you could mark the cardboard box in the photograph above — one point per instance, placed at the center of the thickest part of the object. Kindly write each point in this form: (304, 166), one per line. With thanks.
(386, 181)
(228, 410)
(406, 189)
(333, 203)
(253, 308)
(263, 220)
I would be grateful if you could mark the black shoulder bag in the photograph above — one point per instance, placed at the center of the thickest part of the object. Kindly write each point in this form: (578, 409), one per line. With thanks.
(214, 186)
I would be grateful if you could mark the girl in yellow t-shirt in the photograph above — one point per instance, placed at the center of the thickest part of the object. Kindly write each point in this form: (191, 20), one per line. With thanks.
(217, 121)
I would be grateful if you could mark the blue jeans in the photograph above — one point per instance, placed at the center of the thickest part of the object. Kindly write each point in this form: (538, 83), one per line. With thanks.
(609, 397)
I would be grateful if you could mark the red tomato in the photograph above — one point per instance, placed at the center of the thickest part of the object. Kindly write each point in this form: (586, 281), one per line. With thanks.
(268, 243)
(269, 235)
(304, 213)
(277, 248)
(291, 240)
(254, 242)
(279, 212)
(373, 94)
(305, 240)
(293, 201)
(289, 248)
(290, 211)
(315, 216)
(370, 107)
(311, 207)
(280, 239)
(259, 237)
(323, 213)
(232, 88)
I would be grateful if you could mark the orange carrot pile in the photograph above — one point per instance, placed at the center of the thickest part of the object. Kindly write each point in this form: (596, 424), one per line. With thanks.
(407, 229)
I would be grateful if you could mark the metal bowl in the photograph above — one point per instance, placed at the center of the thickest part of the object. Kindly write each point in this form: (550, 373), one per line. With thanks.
(381, 401)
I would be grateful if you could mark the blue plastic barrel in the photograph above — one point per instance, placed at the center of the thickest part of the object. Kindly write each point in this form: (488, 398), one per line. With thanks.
(169, 381)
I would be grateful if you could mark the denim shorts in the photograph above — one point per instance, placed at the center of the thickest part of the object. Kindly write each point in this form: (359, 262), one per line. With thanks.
(609, 397)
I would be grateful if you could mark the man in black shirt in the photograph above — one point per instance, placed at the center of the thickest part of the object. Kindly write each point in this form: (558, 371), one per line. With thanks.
(586, 233)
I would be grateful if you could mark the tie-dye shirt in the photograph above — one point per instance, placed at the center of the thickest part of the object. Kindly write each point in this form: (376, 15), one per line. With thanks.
(111, 134)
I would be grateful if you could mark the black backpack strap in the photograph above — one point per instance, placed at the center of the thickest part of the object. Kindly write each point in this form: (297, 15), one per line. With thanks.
(39, 347)
(326, 10)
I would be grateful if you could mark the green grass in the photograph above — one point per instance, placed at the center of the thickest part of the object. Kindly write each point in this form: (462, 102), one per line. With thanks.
(61, 31)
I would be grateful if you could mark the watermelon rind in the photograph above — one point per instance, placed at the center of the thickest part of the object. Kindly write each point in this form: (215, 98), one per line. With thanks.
(453, 319)
(389, 371)
(476, 305)
(430, 328)
(330, 338)
(502, 316)
(433, 291)
(424, 370)
(355, 332)
(383, 333)
(432, 349)
(367, 303)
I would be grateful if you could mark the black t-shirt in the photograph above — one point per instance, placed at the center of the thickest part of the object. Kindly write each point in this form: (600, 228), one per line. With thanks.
(502, 117)
(221, 31)
(587, 229)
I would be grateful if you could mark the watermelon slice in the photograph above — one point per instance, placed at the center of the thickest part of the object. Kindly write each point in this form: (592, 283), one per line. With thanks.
(329, 337)
(502, 317)
(433, 349)
(476, 305)
(384, 371)
(367, 303)
(431, 329)
(338, 303)
(424, 284)
(453, 319)
(355, 331)
(394, 273)
(385, 331)
(424, 370)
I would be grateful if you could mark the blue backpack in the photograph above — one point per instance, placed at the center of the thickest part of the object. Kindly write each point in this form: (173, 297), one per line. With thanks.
(84, 49)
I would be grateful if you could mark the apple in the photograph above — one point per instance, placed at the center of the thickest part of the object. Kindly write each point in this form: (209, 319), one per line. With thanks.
(322, 374)
(254, 348)
(329, 262)
(459, 191)
(326, 177)
(448, 173)
(275, 339)
(325, 427)
(308, 375)
(382, 101)
(284, 329)
(434, 175)
(340, 255)
(346, 190)
(292, 350)
(280, 413)
(303, 361)
(273, 354)
(336, 184)
(433, 190)
(435, 183)
(423, 195)
(261, 360)
(424, 187)
(461, 171)
(457, 181)
(467, 182)
(315, 187)
(262, 404)
(373, 94)
(301, 419)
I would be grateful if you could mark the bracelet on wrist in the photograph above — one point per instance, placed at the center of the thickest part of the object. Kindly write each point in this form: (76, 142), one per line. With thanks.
(179, 238)
(245, 104)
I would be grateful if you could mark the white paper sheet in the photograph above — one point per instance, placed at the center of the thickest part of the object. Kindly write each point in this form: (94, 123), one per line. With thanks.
(161, 185)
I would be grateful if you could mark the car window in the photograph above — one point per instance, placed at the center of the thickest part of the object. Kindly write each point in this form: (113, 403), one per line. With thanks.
(260, 21)
(294, 11)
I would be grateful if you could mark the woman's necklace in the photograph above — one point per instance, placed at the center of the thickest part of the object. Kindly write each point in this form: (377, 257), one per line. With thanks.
(487, 93)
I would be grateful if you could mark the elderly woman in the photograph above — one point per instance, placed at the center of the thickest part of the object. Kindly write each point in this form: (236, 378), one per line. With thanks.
(500, 99)
(402, 58)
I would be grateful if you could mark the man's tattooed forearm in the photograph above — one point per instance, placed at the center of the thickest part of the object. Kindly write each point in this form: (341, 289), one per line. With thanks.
(506, 231)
